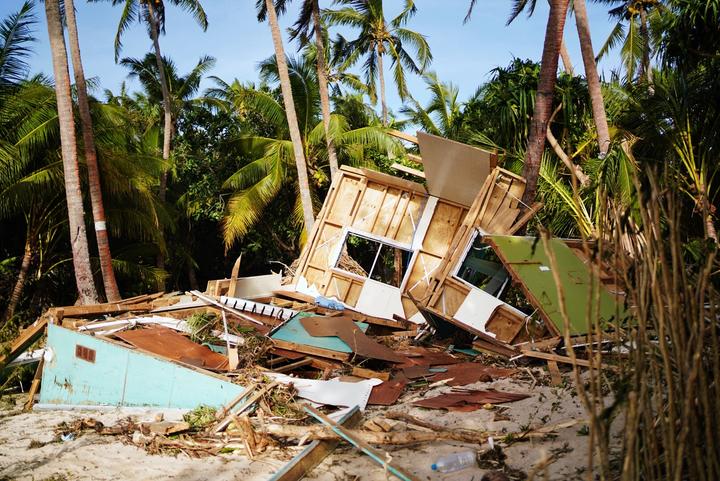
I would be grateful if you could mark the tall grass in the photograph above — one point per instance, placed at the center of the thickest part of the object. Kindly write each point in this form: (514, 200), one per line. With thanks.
(667, 392)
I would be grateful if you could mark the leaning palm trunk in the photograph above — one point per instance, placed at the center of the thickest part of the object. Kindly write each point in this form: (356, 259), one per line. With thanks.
(20, 283)
(544, 97)
(98, 210)
(591, 74)
(73, 193)
(304, 185)
(323, 87)
(167, 113)
(567, 63)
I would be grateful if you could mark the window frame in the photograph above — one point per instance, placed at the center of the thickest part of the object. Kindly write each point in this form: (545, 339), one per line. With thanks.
(347, 231)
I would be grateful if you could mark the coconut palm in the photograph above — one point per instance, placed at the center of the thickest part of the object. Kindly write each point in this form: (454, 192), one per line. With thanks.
(310, 24)
(255, 184)
(544, 96)
(181, 89)
(266, 10)
(637, 31)
(378, 38)
(31, 181)
(591, 74)
(73, 194)
(443, 114)
(152, 13)
(15, 38)
(112, 292)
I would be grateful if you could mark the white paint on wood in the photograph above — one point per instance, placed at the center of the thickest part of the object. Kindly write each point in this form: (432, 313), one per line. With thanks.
(380, 300)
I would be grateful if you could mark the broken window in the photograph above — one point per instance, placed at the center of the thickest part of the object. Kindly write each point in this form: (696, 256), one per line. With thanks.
(482, 268)
(374, 259)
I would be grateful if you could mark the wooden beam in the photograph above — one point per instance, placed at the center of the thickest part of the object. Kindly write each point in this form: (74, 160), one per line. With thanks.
(415, 158)
(315, 452)
(565, 359)
(403, 136)
(408, 170)
(378, 456)
(306, 361)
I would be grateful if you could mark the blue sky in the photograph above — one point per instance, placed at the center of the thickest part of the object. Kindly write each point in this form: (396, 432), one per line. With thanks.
(463, 54)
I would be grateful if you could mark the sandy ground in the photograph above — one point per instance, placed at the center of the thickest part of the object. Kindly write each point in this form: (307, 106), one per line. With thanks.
(94, 457)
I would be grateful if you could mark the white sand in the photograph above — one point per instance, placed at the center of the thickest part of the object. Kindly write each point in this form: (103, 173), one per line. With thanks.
(94, 457)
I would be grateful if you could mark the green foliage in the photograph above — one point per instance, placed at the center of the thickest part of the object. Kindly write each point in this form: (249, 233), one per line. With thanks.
(200, 417)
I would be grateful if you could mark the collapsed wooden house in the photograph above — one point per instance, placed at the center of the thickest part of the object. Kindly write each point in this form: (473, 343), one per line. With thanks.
(444, 252)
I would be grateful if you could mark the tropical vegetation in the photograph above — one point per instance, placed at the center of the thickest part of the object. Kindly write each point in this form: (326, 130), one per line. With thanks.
(105, 195)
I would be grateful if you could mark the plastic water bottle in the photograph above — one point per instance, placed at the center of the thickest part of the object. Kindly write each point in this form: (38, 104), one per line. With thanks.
(455, 462)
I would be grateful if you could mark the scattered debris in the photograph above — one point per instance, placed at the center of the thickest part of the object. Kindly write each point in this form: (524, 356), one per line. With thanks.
(399, 290)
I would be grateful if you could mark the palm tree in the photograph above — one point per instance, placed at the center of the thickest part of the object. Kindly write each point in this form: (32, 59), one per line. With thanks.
(544, 96)
(180, 89)
(257, 183)
(443, 114)
(112, 293)
(266, 9)
(73, 194)
(31, 182)
(309, 23)
(152, 12)
(591, 75)
(15, 35)
(637, 28)
(378, 38)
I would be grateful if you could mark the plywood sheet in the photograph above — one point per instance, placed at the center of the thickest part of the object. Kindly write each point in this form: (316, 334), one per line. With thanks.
(453, 171)
(294, 332)
(528, 262)
(344, 328)
(445, 221)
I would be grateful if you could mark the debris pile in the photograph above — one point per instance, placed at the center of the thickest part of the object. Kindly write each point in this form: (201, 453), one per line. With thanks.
(399, 290)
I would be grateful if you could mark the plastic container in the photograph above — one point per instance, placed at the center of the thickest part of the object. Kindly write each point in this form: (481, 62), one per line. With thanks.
(455, 462)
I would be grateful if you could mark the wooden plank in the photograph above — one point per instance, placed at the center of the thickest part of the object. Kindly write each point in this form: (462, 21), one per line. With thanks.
(99, 309)
(25, 339)
(415, 158)
(557, 358)
(370, 374)
(289, 367)
(251, 399)
(525, 218)
(314, 351)
(555, 375)
(403, 136)
(35, 386)
(408, 170)
(315, 452)
(376, 455)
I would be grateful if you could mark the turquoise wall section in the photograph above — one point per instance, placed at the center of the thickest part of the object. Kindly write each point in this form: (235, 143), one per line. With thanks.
(123, 377)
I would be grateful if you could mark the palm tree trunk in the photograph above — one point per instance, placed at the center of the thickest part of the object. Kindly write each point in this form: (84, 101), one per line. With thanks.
(382, 90)
(567, 63)
(323, 86)
(645, 68)
(98, 210)
(591, 74)
(167, 111)
(22, 276)
(73, 193)
(544, 97)
(304, 185)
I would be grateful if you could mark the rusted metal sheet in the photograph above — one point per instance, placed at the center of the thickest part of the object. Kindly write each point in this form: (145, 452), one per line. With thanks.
(388, 392)
(469, 400)
(169, 344)
(421, 356)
